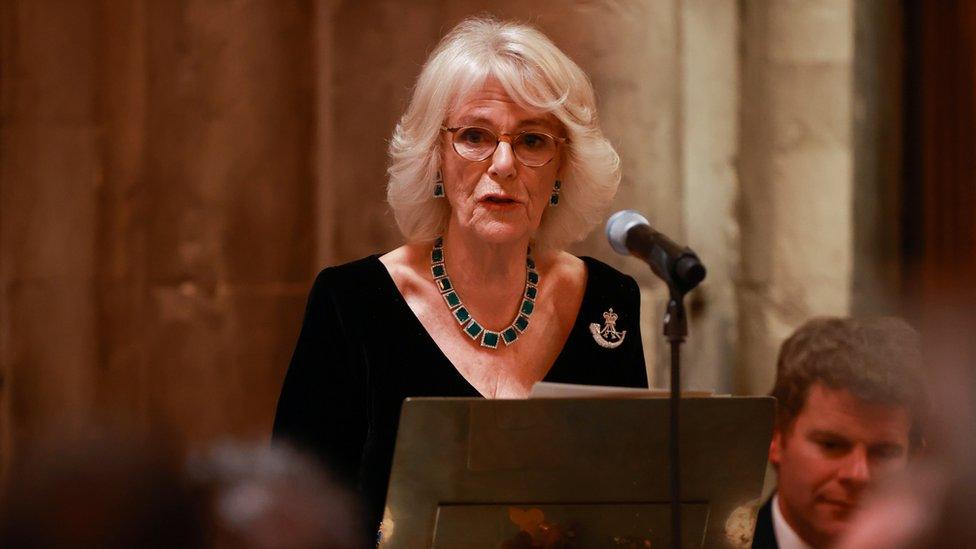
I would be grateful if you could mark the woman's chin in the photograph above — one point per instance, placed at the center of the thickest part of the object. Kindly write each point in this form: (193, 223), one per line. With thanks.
(499, 233)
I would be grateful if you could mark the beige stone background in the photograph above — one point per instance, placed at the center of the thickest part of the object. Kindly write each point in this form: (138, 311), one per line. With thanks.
(175, 172)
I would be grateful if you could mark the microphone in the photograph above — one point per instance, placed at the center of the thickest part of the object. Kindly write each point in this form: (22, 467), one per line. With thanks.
(630, 233)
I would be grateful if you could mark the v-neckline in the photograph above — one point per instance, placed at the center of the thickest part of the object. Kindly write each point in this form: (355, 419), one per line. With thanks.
(416, 320)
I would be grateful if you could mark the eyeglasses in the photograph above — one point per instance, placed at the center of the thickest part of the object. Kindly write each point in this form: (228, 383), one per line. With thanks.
(531, 148)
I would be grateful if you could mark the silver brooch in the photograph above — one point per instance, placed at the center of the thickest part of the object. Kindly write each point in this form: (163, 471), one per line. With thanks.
(607, 336)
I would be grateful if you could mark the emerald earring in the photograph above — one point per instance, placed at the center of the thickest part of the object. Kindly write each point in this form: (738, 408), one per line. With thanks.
(554, 197)
(439, 186)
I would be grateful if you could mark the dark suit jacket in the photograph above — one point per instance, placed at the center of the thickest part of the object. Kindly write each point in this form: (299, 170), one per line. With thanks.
(764, 536)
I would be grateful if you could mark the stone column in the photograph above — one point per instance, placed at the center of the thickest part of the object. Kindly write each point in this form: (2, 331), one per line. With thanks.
(157, 203)
(50, 176)
(323, 157)
(710, 186)
(230, 233)
(879, 170)
(796, 175)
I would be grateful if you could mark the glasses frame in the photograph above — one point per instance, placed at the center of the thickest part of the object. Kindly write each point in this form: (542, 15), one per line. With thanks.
(506, 137)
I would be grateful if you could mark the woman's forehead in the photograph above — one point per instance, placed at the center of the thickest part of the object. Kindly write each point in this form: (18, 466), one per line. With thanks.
(492, 104)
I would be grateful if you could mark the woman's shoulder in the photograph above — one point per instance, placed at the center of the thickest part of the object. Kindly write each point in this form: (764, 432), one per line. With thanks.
(592, 272)
(608, 287)
(408, 267)
(562, 264)
(373, 279)
(353, 273)
(354, 288)
(604, 278)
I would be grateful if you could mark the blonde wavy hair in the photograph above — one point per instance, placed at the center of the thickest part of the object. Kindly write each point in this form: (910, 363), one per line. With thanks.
(538, 76)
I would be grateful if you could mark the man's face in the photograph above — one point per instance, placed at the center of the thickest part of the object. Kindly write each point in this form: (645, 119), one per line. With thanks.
(829, 454)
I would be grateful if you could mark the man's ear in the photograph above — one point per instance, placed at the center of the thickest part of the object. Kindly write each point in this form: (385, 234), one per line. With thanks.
(776, 447)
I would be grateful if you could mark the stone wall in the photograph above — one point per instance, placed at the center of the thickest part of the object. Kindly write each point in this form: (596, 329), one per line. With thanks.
(175, 172)
(157, 220)
(796, 158)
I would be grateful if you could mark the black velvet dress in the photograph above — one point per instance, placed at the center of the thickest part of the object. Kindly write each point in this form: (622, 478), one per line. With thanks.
(362, 351)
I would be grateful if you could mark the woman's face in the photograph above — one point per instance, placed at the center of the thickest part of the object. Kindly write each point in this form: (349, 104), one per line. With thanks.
(498, 199)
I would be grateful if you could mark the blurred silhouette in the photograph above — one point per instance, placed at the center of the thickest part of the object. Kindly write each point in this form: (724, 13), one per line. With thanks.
(101, 490)
(274, 498)
(931, 505)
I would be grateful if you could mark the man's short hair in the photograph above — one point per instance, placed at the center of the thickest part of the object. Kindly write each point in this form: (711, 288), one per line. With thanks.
(878, 360)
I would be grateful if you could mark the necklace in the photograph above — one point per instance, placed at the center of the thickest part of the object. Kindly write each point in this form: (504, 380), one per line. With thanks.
(469, 325)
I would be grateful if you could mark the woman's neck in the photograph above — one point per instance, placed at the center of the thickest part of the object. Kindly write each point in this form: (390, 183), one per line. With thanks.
(489, 277)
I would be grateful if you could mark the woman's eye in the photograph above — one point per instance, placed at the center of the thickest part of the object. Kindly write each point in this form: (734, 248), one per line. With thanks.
(534, 140)
(474, 136)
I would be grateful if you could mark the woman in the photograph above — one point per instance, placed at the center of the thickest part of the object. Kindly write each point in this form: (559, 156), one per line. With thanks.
(497, 165)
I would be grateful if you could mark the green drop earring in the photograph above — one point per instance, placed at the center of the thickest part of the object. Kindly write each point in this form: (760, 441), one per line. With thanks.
(439, 186)
(554, 197)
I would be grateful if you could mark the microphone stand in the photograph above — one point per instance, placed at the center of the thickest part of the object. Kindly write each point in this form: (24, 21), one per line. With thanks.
(679, 268)
(675, 331)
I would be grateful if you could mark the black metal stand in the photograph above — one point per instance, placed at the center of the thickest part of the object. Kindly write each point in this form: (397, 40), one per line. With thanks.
(675, 330)
(682, 271)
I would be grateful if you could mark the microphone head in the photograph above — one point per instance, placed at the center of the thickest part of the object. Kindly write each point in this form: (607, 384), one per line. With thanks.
(619, 225)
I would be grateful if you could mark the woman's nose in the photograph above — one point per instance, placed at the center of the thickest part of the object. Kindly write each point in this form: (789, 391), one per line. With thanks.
(502, 162)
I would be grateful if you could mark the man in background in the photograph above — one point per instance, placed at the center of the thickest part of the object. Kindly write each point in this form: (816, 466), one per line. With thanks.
(848, 406)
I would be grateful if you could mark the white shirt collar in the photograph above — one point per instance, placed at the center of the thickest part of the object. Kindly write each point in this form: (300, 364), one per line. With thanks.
(786, 538)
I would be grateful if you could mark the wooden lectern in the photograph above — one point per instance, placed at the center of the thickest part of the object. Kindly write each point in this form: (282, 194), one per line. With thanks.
(585, 472)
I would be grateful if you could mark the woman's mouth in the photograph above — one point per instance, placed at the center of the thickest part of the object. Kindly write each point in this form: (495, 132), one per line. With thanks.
(498, 201)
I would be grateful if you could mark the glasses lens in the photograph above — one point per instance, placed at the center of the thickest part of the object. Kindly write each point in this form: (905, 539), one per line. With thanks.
(474, 143)
(534, 149)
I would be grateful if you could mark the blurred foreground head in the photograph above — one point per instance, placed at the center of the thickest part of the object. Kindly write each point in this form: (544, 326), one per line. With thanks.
(98, 491)
(848, 412)
(274, 498)
(930, 506)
